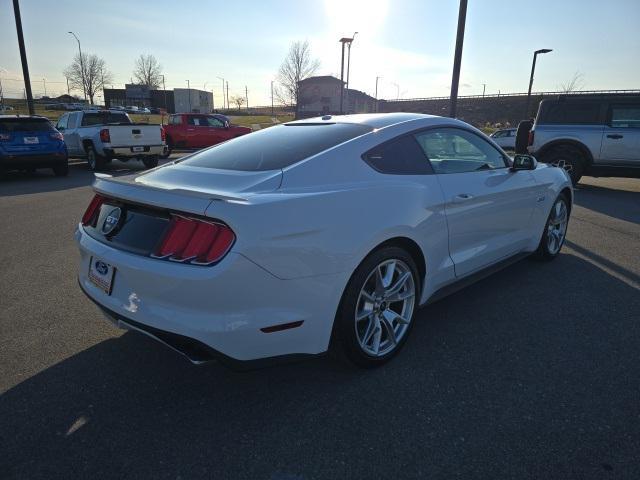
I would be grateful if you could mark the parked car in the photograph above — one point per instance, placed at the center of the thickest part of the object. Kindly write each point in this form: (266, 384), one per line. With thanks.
(595, 135)
(6, 108)
(197, 130)
(131, 109)
(31, 142)
(505, 137)
(102, 135)
(315, 234)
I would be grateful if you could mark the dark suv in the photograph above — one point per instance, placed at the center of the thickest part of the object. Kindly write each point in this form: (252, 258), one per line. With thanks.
(595, 135)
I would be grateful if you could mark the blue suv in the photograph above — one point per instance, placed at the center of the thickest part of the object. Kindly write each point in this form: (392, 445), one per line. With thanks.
(31, 142)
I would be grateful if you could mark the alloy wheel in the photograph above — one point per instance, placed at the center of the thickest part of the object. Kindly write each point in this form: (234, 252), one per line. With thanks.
(557, 226)
(385, 307)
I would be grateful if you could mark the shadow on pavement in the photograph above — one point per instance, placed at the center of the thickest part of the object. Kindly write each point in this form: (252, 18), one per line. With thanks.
(515, 376)
(621, 204)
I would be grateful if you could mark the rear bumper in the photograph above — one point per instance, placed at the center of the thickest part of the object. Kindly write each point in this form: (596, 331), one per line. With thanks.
(119, 152)
(213, 312)
(39, 160)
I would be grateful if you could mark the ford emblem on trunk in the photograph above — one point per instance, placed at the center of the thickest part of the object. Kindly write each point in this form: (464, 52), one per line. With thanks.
(112, 221)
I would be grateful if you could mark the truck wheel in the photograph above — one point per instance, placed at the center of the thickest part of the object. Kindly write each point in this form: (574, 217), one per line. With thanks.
(150, 162)
(95, 161)
(61, 170)
(569, 158)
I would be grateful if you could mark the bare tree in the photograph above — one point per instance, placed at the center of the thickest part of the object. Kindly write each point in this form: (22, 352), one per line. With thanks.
(575, 83)
(148, 71)
(238, 100)
(91, 71)
(297, 66)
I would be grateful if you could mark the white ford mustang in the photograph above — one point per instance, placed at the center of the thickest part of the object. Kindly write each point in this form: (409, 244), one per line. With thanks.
(316, 234)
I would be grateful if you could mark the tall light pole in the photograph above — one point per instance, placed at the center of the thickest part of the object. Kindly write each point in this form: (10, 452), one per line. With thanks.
(23, 57)
(164, 90)
(84, 88)
(377, 78)
(222, 91)
(457, 59)
(227, 94)
(348, 65)
(189, 90)
(272, 98)
(484, 88)
(533, 69)
(44, 83)
(343, 41)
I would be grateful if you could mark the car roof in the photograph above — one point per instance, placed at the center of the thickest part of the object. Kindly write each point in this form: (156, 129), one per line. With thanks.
(377, 120)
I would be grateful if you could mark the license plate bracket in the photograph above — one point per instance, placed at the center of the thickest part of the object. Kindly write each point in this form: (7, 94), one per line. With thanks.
(101, 274)
(31, 140)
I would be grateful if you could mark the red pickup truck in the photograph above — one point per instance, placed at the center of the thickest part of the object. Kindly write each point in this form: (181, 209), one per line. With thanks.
(198, 130)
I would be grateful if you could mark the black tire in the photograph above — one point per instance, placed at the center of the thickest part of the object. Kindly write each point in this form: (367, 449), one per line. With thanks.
(544, 252)
(345, 341)
(150, 162)
(569, 158)
(61, 170)
(522, 136)
(96, 162)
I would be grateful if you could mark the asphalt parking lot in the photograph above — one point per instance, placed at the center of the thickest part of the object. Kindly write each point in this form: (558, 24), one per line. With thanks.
(533, 372)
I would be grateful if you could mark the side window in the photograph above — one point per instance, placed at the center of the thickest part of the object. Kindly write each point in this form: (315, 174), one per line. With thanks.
(62, 122)
(400, 156)
(500, 134)
(174, 120)
(198, 121)
(215, 122)
(453, 150)
(73, 120)
(625, 116)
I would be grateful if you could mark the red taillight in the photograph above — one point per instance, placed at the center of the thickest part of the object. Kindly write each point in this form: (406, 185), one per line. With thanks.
(5, 137)
(89, 216)
(104, 136)
(163, 134)
(56, 136)
(531, 134)
(195, 241)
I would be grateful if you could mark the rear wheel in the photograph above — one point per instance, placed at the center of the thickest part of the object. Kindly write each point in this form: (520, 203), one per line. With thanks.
(555, 230)
(569, 158)
(95, 161)
(61, 170)
(150, 162)
(377, 308)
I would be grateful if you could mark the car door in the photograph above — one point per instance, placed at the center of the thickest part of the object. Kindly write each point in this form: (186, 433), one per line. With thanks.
(72, 136)
(217, 131)
(488, 206)
(621, 136)
(198, 134)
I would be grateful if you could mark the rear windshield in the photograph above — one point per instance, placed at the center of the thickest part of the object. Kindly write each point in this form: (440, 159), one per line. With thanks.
(103, 118)
(569, 113)
(276, 147)
(25, 125)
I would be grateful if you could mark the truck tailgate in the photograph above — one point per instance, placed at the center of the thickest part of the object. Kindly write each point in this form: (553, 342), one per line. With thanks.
(134, 135)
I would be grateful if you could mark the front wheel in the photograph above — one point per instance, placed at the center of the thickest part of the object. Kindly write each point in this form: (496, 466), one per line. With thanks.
(95, 161)
(377, 308)
(555, 230)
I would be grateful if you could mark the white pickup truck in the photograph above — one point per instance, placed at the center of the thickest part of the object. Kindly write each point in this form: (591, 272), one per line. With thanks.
(102, 135)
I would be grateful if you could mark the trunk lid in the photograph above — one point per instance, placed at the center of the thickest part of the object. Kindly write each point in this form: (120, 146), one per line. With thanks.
(134, 135)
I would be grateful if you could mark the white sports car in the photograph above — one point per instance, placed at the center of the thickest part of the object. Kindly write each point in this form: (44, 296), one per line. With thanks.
(316, 234)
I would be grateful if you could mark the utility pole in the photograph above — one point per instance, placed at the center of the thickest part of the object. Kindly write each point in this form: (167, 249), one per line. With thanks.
(246, 96)
(84, 87)
(272, 98)
(227, 94)
(484, 86)
(222, 91)
(377, 78)
(164, 90)
(23, 57)
(189, 90)
(213, 102)
(68, 91)
(457, 59)
(44, 82)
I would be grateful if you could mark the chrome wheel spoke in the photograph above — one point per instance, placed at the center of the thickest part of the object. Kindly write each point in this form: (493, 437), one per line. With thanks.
(371, 329)
(396, 287)
(388, 327)
(399, 297)
(390, 315)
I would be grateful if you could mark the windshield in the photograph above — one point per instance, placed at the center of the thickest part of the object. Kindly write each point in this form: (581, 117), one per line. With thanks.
(276, 147)
(25, 125)
(103, 118)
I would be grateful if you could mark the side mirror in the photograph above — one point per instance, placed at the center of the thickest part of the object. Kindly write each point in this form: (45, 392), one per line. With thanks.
(523, 162)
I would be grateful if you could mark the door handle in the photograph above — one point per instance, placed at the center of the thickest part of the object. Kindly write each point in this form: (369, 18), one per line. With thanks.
(462, 197)
(615, 136)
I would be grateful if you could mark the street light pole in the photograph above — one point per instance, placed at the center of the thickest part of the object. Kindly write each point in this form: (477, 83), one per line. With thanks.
(227, 94)
(343, 40)
(222, 91)
(484, 87)
(377, 78)
(189, 90)
(164, 90)
(349, 64)
(272, 98)
(23, 57)
(44, 83)
(84, 88)
(533, 69)
(457, 59)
